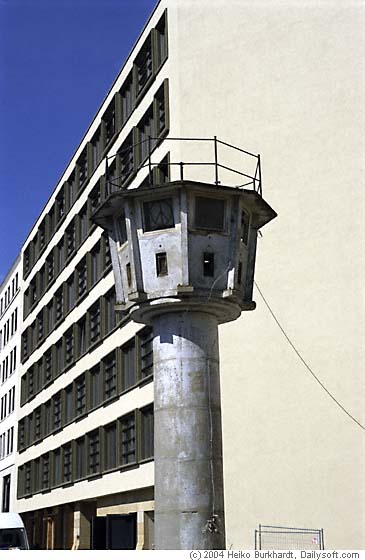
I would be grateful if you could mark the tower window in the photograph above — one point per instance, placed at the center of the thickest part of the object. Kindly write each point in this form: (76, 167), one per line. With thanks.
(209, 213)
(161, 264)
(129, 274)
(158, 214)
(245, 225)
(208, 264)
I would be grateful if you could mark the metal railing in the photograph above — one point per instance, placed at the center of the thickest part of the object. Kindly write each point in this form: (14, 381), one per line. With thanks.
(254, 180)
(271, 537)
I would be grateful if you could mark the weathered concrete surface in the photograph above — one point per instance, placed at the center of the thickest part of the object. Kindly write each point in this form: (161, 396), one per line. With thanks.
(188, 437)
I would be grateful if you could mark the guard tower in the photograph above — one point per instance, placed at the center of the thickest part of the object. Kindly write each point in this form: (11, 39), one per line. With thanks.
(183, 258)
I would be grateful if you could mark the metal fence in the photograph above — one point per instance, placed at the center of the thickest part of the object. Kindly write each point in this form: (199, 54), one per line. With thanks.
(271, 537)
(132, 162)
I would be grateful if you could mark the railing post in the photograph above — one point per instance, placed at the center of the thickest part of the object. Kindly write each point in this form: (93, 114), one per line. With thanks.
(260, 176)
(181, 170)
(216, 161)
(322, 540)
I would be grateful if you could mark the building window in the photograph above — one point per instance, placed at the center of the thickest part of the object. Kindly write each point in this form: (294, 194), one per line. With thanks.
(51, 222)
(47, 367)
(146, 132)
(93, 452)
(95, 387)
(143, 64)
(30, 434)
(72, 189)
(67, 463)
(57, 472)
(80, 458)
(81, 337)
(128, 439)
(106, 252)
(160, 109)
(161, 32)
(83, 224)
(60, 206)
(28, 478)
(95, 323)
(109, 122)
(110, 313)
(82, 278)
(80, 386)
(25, 345)
(45, 471)
(70, 240)
(146, 352)
(127, 98)
(129, 365)
(5, 506)
(47, 418)
(31, 390)
(95, 197)
(50, 268)
(96, 268)
(69, 347)
(59, 359)
(97, 148)
(70, 293)
(82, 165)
(158, 214)
(57, 416)
(60, 255)
(147, 432)
(40, 326)
(21, 434)
(38, 424)
(36, 475)
(51, 316)
(11, 400)
(69, 405)
(110, 376)
(110, 447)
(126, 154)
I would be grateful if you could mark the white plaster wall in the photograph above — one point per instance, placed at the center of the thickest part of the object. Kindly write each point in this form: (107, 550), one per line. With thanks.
(286, 79)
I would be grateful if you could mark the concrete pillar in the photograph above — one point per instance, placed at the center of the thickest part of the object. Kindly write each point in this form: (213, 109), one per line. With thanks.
(188, 436)
(83, 513)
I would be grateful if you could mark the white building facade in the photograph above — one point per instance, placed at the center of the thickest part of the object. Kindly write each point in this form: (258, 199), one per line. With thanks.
(259, 77)
(10, 327)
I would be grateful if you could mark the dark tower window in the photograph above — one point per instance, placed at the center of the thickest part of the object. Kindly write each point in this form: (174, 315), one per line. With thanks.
(158, 214)
(239, 273)
(161, 264)
(209, 213)
(129, 274)
(245, 225)
(208, 264)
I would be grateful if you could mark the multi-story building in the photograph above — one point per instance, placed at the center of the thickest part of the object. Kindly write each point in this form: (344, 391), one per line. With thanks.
(10, 324)
(251, 77)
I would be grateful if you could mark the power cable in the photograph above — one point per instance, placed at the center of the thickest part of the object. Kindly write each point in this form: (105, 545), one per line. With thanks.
(304, 362)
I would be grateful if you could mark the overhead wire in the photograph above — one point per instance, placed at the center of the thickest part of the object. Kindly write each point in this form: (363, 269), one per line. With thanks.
(305, 363)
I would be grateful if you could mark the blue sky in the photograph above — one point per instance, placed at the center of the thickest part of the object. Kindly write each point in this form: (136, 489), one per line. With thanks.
(58, 59)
